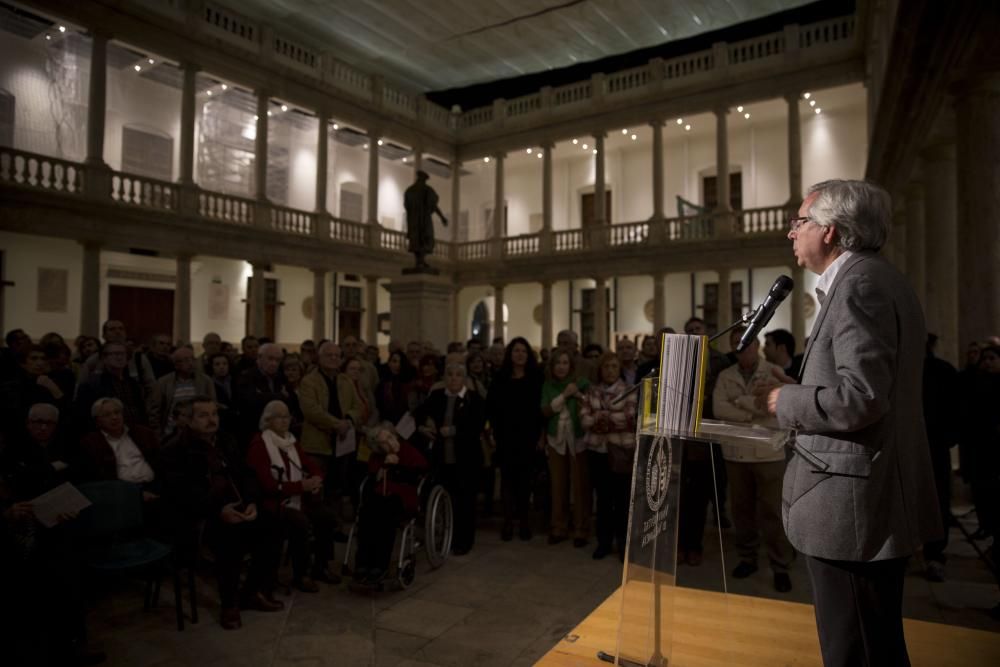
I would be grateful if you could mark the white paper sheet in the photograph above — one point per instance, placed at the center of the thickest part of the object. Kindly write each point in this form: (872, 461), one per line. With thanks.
(406, 426)
(64, 499)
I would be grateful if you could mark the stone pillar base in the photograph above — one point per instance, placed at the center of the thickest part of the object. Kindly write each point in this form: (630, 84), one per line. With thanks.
(421, 309)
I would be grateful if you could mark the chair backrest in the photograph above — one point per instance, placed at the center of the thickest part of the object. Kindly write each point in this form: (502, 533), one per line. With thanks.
(116, 508)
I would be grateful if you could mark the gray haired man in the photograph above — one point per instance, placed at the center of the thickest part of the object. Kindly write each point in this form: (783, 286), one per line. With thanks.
(858, 495)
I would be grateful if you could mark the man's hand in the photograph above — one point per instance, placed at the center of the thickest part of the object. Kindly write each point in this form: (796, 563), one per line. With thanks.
(772, 401)
(444, 221)
(46, 381)
(148, 496)
(19, 512)
(343, 426)
(571, 390)
(250, 513)
(231, 515)
(391, 459)
(312, 484)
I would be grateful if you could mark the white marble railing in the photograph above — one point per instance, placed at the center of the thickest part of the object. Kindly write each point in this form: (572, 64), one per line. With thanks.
(351, 80)
(132, 190)
(628, 80)
(297, 56)
(690, 228)
(223, 23)
(571, 94)
(349, 231)
(442, 249)
(520, 106)
(764, 220)
(225, 208)
(393, 240)
(41, 172)
(629, 233)
(567, 240)
(826, 32)
(399, 101)
(472, 250)
(757, 48)
(525, 244)
(292, 220)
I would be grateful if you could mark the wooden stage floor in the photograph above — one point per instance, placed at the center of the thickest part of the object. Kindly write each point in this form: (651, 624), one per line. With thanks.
(714, 630)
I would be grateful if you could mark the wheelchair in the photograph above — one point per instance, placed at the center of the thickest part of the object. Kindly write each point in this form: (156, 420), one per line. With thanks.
(429, 528)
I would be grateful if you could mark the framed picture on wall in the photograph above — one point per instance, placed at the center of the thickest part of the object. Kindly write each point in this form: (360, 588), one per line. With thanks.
(53, 289)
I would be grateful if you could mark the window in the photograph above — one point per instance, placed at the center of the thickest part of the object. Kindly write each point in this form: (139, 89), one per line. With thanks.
(587, 217)
(147, 153)
(710, 305)
(710, 188)
(226, 149)
(351, 205)
(6, 119)
(588, 318)
(463, 227)
(488, 217)
(348, 311)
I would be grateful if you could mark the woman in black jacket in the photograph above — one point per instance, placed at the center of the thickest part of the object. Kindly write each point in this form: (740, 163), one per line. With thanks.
(516, 421)
(452, 420)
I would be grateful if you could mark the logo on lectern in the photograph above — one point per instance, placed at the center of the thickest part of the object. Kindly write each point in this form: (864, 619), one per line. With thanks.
(658, 473)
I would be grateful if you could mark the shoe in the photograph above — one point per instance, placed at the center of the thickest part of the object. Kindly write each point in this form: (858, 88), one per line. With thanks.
(745, 569)
(556, 539)
(307, 585)
(694, 558)
(601, 551)
(579, 542)
(782, 583)
(326, 576)
(230, 619)
(934, 571)
(507, 532)
(524, 532)
(260, 602)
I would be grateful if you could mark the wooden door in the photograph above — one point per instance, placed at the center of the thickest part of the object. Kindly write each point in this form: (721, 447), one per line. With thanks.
(145, 311)
(587, 217)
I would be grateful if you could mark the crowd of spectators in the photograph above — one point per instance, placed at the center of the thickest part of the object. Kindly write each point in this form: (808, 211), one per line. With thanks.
(238, 450)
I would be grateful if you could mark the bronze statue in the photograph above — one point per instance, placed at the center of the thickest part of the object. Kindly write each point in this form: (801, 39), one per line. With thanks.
(421, 202)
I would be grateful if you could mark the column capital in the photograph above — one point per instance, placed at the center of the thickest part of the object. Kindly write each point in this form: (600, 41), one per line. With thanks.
(657, 122)
(720, 110)
(599, 135)
(546, 282)
(184, 256)
(319, 270)
(792, 96)
(499, 156)
(547, 145)
(599, 279)
(498, 286)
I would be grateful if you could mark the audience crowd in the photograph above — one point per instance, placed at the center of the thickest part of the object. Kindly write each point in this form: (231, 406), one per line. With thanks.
(238, 451)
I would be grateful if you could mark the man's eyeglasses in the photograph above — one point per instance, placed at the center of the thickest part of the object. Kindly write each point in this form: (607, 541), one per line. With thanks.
(795, 223)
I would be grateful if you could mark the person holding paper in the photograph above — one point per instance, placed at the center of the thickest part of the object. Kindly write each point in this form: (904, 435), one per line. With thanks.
(859, 496)
(40, 573)
(330, 407)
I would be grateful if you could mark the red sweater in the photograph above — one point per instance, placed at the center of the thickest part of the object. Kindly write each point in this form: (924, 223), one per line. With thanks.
(410, 461)
(271, 495)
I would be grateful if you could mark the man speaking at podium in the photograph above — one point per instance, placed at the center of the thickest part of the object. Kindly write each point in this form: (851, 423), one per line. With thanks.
(858, 496)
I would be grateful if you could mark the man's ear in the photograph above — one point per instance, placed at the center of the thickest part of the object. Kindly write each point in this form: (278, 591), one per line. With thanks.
(830, 234)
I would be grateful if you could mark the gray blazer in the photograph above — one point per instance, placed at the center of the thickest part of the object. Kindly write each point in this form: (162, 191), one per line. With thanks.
(859, 486)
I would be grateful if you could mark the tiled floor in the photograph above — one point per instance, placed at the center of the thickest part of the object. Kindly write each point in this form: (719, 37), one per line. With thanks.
(502, 604)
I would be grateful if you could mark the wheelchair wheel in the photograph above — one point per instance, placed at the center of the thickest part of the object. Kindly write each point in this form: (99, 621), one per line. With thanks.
(438, 525)
(407, 573)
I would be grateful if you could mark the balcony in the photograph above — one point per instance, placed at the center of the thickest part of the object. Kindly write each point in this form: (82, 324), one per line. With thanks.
(30, 182)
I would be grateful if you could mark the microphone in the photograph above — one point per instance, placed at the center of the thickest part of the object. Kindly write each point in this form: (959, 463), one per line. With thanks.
(781, 288)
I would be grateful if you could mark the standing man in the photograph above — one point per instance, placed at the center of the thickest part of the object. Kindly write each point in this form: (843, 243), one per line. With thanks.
(858, 495)
(421, 202)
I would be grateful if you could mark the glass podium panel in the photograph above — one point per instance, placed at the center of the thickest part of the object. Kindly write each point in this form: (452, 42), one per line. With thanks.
(675, 470)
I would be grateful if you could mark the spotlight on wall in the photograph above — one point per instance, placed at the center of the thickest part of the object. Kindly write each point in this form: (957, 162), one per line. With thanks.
(680, 121)
(225, 87)
(284, 107)
(207, 92)
(624, 130)
(269, 114)
(818, 110)
(746, 115)
(405, 159)
(380, 142)
(366, 147)
(151, 61)
(585, 147)
(595, 151)
(256, 117)
(806, 95)
(739, 109)
(336, 127)
(538, 155)
(486, 159)
(812, 103)
(138, 68)
(576, 141)
(687, 128)
(62, 28)
(634, 137)
(528, 150)
(48, 36)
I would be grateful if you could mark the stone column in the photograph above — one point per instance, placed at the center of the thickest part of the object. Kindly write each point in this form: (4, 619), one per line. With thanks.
(499, 197)
(546, 314)
(418, 160)
(546, 238)
(456, 198)
(182, 300)
(188, 109)
(941, 235)
(725, 307)
(498, 321)
(600, 311)
(794, 150)
(657, 126)
(257, 300)
(799, 307)
(373, 140)
(456, 320)
(371, 310)
(978, 157)
(916, 249)
(659, 301)
(599, 186)
(97, 100)
(260, 146)
(322, 159)
(90, 289)
(319, 304)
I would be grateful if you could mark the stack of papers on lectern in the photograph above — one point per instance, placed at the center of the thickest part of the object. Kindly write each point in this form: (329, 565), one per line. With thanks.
(683, 366)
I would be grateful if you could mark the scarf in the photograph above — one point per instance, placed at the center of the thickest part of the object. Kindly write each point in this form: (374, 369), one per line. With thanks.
(276, 446)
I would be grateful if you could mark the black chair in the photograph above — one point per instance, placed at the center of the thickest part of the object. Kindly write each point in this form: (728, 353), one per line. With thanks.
(111, 529)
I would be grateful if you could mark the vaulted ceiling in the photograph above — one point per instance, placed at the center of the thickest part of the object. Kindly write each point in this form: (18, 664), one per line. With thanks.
(431, 45)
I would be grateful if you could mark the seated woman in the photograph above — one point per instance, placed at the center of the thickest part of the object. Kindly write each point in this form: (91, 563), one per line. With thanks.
(290, 484)
(395, 467)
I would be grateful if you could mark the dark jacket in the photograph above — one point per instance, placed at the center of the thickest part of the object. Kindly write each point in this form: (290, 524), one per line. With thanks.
(104, 385)
(515, 418)
(253, 391)
(469, 420)
(97, 459)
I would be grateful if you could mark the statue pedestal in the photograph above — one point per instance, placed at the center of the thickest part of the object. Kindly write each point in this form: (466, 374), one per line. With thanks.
(421, 308)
